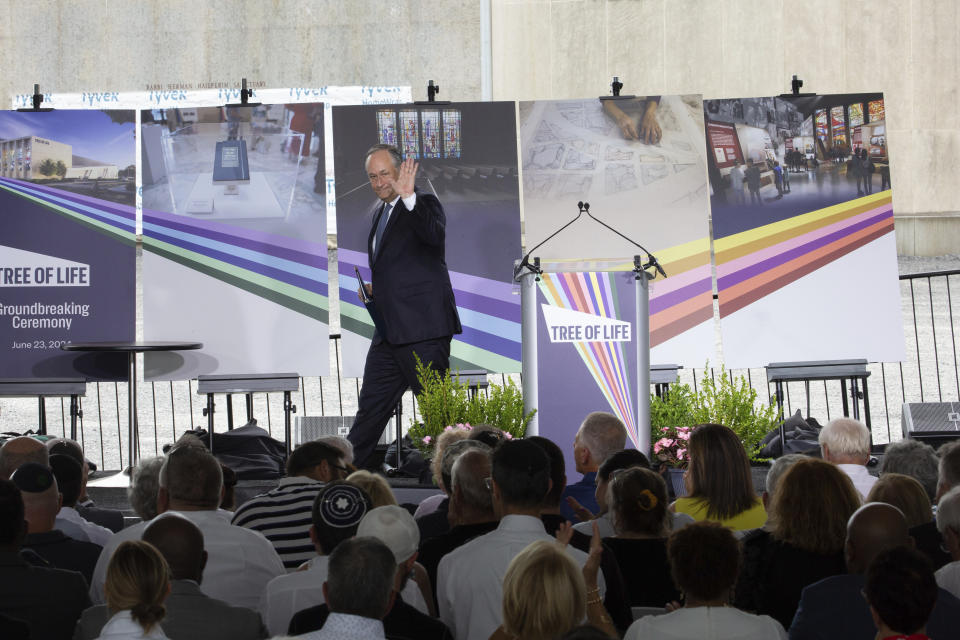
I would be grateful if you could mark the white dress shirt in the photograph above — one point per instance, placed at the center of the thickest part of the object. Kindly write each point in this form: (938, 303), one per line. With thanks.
(862, 480)
(122, 626)
(409, 202)
(470, 578)
(948, 577)
(342, 626)
(74, 525)
(240, 561)
(285, 595)
(706, 623)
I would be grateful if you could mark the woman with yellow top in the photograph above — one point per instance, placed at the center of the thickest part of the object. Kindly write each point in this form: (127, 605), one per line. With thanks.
(719, 483)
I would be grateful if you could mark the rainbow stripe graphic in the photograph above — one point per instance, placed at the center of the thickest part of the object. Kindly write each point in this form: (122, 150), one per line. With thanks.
(489, 312)
(114, 220)
(291, 272)
(755, 263)
(595, 293)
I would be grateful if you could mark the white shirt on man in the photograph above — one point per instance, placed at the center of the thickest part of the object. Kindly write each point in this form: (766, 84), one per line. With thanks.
(77, 527)
(470, 578)
(285, 595)
(240, 561)
(703, 623)
(343, 626)
(948, 577)
(862, 480)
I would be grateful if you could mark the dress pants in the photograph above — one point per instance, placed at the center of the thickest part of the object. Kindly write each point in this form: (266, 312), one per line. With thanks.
(389, 371)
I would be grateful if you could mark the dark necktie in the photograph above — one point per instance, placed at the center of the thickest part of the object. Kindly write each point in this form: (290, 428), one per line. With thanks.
(381, 225)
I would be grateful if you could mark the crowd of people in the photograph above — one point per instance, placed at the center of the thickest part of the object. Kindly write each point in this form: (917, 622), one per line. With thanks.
(509, 549)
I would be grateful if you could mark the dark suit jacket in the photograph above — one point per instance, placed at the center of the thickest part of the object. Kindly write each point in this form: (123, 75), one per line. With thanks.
(403, 621)
(64, 552)
(411, 285)
(190, 614)
(835, 608)
(49, 600)
(109, 518)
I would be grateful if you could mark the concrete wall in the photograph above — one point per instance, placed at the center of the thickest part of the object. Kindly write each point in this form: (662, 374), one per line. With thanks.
(910, 49)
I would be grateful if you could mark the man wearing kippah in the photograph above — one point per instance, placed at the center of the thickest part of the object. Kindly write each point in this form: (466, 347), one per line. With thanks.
(337, 511)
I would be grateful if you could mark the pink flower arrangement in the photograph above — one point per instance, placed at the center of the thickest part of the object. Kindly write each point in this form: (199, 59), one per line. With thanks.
(671, 448)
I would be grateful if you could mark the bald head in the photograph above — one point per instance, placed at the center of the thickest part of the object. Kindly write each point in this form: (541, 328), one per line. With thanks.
(872, 529)
(470, 499)
(19, 451)
(180, 542)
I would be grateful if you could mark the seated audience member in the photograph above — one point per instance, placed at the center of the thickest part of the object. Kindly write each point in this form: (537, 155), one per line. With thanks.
(41, 502)
(240, 561)
(395, 527)
(949, 473)
(432, 503)
(470, 578)
(342, 444)
(600, 435)
(470, 512)
(776, 471)
(18, 451)
(488, 435)
(626, 459)
(358, 591)
(438, 523)
(719, 482)
(228, 503)
(49, 600)
(834, 607)
(901, 592)
(846, 443)
(638, 501)
(705, 562)
(336, 513)
(948, 522)
(110, 518)
(69, 478)
(283, 514)
(190, 613)
(908, 495)
(550, 509)
(915, 459)
(545, 595)
(138, 581)
(375, 486)
(144, 487)
(803, 542)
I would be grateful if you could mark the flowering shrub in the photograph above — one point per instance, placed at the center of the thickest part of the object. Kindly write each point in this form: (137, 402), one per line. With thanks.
(671, 448)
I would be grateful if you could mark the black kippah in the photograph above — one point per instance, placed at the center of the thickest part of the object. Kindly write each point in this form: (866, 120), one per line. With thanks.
(342, 506)
(32, 478)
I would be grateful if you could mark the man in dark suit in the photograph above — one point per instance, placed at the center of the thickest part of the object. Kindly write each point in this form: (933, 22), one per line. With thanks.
(49, 600)
(109, 518)
(835, 607)
(411, 290)
(190, 613)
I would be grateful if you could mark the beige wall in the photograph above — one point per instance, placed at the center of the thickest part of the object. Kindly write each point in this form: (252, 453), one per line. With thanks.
(910, 49)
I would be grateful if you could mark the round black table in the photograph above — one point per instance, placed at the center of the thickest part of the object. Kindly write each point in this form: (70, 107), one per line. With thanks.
(132, 348)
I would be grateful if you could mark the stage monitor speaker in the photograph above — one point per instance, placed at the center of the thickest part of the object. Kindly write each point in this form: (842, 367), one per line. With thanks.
(308, 428)
(931, 422)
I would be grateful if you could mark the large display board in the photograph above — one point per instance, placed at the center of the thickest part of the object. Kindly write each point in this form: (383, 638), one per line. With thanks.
(67, 247)
(468, 159)
(234, 237)
(640, 164)
(803, 229)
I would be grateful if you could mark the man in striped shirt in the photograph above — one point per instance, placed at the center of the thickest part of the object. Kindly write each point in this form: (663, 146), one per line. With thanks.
(283, 514)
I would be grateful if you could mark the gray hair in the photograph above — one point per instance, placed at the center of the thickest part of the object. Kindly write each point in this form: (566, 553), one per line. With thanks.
(948, 511)
(779, 467)
(144, 486)
(452, 452)
(846, 437)
(950, 464)
(602, 434)
(915, 459)
(395, 154)
(469, 473)
(360, 577)
(341, 443)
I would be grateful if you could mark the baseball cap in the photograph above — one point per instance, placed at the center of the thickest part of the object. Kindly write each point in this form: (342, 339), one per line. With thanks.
(395, 527)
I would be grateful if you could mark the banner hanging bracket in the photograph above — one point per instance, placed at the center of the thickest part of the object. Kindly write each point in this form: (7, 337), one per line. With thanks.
(37, 101)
